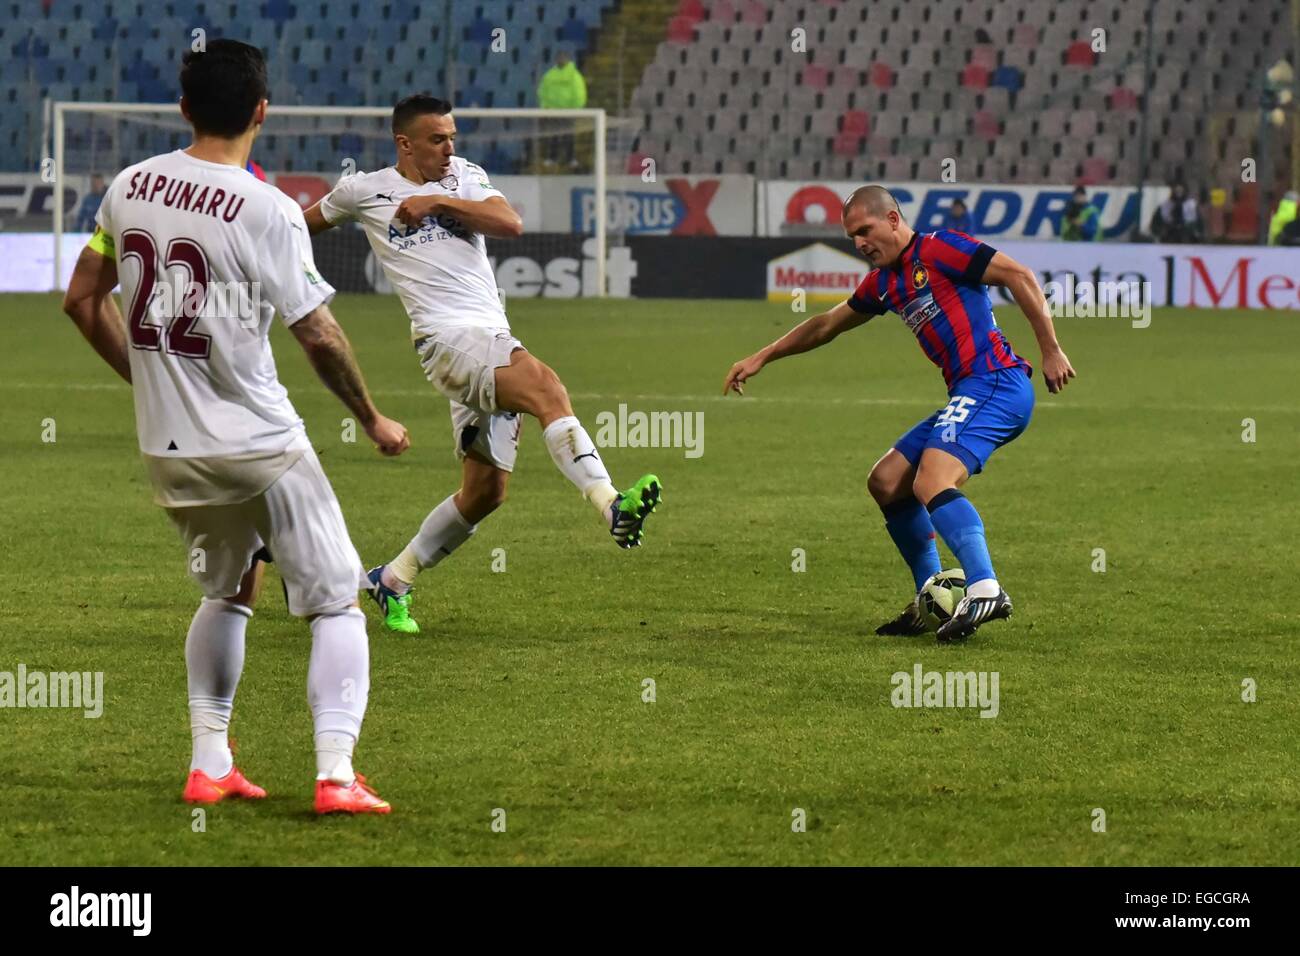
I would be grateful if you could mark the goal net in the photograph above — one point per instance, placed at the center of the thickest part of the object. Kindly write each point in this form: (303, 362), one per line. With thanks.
(550, 164)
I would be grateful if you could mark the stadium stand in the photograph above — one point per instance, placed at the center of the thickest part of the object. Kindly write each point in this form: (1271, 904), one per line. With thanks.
(884, 90)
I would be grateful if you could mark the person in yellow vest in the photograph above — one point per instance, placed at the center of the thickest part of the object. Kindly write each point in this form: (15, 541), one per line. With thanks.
(1284, 217)
(562, 88)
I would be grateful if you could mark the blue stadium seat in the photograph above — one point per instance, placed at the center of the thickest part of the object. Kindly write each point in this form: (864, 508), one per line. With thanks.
(1008, 77)
(46, 71)
(575, 32)
(105, 30)
(403, 11)
(312, 53)
(386, 32)
(79, 33)
(12, 73)
(479, 31)
(278, 10)
(76, 72)
(139, 30)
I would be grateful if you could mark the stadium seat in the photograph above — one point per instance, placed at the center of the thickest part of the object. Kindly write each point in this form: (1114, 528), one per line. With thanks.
(723, 11)
(975, 77)
(574, 31)
(1080, 54)
(278, 11)
(984, 55)
(1122, 98)
(816, 77)
(848, 143)
(681, 30)
(1007, 77)
(753, 12)
(1095, 171)
(881, 75)
(691, 9)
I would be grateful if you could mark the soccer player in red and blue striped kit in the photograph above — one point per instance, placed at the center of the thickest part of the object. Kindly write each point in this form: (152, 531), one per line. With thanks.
(937, 283)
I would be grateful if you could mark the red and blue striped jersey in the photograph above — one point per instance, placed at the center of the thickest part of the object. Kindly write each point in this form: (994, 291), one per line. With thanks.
(937, 291)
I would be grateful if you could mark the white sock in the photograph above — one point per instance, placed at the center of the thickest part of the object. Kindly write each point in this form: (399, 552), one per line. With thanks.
(574, 453)
(443, 530)
(214, 659)
(338, 684)
(988, 588)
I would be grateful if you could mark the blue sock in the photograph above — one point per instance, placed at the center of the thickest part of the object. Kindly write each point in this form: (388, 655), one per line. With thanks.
(909, 525)
(957, 521)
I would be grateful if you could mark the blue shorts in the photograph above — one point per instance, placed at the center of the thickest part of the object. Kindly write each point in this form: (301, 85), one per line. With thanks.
(983, 413)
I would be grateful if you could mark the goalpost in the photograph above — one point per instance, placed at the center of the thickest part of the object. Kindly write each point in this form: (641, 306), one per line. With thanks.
(551, 164)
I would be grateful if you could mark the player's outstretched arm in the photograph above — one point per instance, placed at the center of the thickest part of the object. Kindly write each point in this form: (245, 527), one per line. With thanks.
(807, 335)
(316, 221)
(330, 353)
(493, 217)
(1020, 279)
(90, 304)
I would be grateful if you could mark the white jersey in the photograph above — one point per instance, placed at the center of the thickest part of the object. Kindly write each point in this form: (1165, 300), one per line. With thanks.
(440, 268)
(206, 255)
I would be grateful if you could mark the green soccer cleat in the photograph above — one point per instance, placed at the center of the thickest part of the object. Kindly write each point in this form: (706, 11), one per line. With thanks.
(629, 510)
(395, 607)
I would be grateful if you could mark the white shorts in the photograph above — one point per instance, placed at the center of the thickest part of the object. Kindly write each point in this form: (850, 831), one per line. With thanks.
(299, 520)
(461, 361)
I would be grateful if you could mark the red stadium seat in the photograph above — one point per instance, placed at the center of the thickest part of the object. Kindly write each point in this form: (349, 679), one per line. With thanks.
(1080, 53)
(881, 75)
(976, 77)
(1096, 170)
(754, 13)
(984, 55)
(855, 121)
(681, 30)
(1122, 98)
(634, 161)
(722, 11)
(816, 77)
(847, 144)
(1025, 34)
(694, 9)
(987, 126)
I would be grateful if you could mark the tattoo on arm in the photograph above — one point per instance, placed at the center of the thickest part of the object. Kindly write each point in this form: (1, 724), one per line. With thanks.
(330, 354)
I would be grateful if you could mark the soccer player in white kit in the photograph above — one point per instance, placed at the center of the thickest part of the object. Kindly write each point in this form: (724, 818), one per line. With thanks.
(426, 218)
(206, 255)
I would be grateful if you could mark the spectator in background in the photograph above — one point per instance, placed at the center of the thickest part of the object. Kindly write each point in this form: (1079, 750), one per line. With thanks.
(958, 218)
(90, 204)
(1282, 226)
(1178, 218)
(1080, 221)
(562, 88)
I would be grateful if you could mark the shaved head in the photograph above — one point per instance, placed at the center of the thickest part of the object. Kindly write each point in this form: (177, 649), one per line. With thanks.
(874, 200)
(872, 219)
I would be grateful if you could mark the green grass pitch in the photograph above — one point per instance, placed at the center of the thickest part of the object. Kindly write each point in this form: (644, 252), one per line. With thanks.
(1119, 690)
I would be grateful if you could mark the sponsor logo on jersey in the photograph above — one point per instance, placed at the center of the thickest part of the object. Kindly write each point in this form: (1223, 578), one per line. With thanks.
(920, 311)
(449, 181)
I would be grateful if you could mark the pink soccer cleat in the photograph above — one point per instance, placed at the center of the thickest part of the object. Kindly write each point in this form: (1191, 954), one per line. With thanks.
(332, 797)
(200, 788)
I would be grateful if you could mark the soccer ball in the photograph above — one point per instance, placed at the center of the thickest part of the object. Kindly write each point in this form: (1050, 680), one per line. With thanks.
(940, 596)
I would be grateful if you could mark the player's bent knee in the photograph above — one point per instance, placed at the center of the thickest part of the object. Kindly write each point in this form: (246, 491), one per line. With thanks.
(887, 482)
